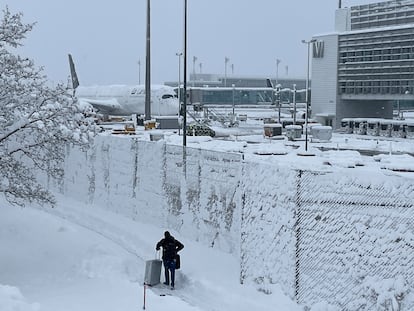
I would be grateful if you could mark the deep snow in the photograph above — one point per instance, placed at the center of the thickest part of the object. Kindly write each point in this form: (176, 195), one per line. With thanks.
(75, 257)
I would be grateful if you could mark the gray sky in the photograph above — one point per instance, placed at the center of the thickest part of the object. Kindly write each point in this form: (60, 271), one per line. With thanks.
(107, 38)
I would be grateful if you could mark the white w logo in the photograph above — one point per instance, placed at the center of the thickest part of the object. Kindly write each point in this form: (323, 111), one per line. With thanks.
(318, 48)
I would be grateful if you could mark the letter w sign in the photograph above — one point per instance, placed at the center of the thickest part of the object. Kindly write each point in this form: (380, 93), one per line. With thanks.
(318, 48)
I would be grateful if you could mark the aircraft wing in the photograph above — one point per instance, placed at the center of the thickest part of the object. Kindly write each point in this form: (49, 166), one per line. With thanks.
(104, 106)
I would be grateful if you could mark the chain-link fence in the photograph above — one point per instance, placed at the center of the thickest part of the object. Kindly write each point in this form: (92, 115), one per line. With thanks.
(342, 237)
(345, 236)
(355, 231)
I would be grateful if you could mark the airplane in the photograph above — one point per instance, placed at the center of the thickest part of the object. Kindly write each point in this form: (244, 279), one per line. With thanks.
(124, 100)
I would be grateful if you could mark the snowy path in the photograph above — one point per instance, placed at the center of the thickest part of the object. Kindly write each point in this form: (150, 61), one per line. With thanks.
(90, 259)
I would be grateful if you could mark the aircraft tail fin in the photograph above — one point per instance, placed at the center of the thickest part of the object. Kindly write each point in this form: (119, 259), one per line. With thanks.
(74, 76)
(269, 83)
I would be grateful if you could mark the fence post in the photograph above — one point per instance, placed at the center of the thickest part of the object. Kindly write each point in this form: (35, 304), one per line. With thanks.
(242, 238)
(297, 233)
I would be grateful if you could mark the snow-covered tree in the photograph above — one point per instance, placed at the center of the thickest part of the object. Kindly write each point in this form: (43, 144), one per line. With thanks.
(37, 121)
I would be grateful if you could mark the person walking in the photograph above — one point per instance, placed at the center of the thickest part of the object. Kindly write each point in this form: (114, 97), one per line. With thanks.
(170, 248)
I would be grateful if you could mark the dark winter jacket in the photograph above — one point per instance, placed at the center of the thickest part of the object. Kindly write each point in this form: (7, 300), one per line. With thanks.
(170, 247)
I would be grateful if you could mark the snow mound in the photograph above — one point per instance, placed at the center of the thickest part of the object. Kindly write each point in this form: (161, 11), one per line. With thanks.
(343, 158)
(324, 306)
(403, 162)
(11, 299)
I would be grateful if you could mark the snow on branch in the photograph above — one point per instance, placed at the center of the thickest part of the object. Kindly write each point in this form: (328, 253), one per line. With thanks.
(36, 121)
(12, 29)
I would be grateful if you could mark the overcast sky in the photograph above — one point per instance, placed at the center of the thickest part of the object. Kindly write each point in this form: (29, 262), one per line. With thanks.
(107, 38)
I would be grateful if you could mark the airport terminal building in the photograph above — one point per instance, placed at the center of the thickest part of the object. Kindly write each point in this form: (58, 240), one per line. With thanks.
(220, 90)
(366, 65)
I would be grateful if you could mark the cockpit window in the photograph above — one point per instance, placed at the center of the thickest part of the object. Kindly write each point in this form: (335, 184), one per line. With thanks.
(165, 96)
(137, 91)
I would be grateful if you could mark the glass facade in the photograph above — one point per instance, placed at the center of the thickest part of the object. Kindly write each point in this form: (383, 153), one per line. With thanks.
(210, 89)
(382, 14)
(377, 62)
(242, 96)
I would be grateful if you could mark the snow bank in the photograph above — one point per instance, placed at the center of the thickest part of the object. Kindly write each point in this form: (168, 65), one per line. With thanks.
(402, 162)
(11, 299)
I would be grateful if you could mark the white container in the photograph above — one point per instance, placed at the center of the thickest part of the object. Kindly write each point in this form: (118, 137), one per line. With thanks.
(293, 131)
(272, 129)
(321, 133)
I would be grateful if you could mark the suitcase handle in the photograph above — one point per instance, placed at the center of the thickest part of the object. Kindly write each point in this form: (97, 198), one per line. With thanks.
(158, 254)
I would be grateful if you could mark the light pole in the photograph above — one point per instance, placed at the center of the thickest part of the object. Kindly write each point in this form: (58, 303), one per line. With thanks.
(400, 117)
(279, 102)
(185, 80)
(148, 66)
(294, 104)
(226, 60)
(233, 88)
(308, 43)
(139, 71)
(194, 71)
(179, 54)
(277, 70)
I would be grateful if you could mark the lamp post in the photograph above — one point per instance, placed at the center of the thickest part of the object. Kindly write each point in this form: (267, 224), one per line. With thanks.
(194, 71)
(279, 102)
(233, 89)
(226, 60)
(308, 43)
(148, 66)
(400, 117)
(179, 54)
(139, 71)
(294, 104)
(185, 80)
(277, 70)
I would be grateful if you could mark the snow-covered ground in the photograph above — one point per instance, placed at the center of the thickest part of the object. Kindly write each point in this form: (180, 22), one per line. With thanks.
(342, 150)
(75, 257)
(80, 257)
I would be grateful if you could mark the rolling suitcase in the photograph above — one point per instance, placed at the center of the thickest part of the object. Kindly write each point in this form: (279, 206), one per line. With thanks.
(152, 272)
(177, 262)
